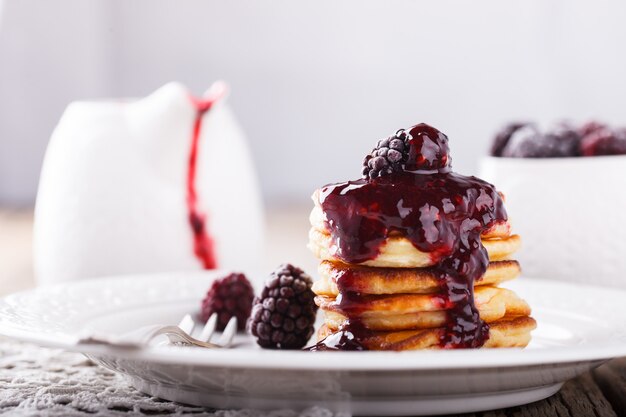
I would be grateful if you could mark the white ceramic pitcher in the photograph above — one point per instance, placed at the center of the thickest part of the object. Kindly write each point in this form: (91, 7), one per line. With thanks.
(113, 195)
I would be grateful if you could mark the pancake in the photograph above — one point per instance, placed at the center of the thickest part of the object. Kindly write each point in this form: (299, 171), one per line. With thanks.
(369, 280)
(399, 252)
(404, 311)
(317, 219)
(490, 312)
(508, 332)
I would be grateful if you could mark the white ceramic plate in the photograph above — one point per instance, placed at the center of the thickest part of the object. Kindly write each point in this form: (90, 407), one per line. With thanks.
(579, 328)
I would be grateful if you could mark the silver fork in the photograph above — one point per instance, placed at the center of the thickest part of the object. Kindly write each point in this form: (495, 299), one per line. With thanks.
(203, 338)
(177, 335)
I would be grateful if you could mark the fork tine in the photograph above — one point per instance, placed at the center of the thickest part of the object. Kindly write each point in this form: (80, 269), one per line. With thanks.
(177, 336)
(209, 328)
(229, 333)
(187, 324)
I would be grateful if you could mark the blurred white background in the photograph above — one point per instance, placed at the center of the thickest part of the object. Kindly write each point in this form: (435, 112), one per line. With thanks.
(314, 84)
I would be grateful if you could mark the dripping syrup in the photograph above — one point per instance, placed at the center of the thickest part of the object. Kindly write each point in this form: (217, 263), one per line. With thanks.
(203, 243)
(350, 336)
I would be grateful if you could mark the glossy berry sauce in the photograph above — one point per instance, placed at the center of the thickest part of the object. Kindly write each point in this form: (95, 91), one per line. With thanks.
(350, 337)
(440, 212)
(203, 245)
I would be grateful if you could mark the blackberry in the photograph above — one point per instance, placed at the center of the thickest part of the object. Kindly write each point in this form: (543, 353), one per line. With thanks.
(564, 140)
(388, 156)
(428, 149)
(229, 297)
(604, 141)
(284, 315)
(503, 136)
(529, 142)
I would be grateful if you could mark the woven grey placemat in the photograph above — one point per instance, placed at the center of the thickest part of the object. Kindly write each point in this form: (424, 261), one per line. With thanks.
(36, 381)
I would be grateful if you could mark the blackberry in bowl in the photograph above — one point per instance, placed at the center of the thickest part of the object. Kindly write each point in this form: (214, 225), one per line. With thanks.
(526, 140)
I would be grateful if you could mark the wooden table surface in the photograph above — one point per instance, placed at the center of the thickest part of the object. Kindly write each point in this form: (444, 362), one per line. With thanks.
(601, 392)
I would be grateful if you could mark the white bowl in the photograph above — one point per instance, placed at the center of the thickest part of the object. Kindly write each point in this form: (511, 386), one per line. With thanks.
(570, 213)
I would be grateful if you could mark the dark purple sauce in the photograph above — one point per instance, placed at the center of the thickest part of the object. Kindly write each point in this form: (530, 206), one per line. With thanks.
(203, 244)
(351, 336)
(441, 213)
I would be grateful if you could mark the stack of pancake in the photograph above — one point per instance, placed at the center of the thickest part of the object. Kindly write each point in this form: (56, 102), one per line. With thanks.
(395, 301)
